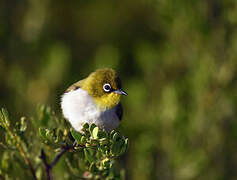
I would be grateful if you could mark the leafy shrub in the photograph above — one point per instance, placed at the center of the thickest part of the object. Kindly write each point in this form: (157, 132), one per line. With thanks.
(36, 145)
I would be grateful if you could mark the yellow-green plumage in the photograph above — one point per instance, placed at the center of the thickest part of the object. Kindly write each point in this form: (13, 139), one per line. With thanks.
(93, 83)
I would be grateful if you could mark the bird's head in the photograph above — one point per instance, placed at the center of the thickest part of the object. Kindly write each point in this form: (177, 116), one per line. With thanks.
(104, 86)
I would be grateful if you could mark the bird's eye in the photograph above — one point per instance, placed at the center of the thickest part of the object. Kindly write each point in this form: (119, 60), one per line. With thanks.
(107, 87)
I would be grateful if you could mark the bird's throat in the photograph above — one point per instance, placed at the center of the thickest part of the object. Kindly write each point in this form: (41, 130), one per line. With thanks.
(108, 101)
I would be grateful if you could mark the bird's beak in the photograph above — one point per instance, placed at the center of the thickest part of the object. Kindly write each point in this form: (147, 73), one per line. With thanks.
(120, 91)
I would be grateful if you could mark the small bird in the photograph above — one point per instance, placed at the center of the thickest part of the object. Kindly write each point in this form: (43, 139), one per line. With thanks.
(95, 99)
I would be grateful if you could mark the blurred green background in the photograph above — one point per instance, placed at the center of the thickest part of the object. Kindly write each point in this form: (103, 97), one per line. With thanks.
(177, 61)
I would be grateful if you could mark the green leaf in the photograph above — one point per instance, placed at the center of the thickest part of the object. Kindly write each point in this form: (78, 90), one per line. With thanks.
(124, 146)
(83, 139)
(59, 134)
(95, 133)
(42, 132)
(85, 126)
(106, 163)
(53, 135)
(77, 136)
(116, 148)
(102, 134)
(91, 128)
(112, 133)
(5, 118)
(116, 137)
(92, 167)
(88, 156)
(23, 124)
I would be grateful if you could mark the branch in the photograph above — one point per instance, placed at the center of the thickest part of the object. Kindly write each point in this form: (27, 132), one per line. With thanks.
(49, 166)
(21, 150)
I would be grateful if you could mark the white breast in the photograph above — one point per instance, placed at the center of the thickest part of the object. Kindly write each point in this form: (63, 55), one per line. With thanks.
(79, 108)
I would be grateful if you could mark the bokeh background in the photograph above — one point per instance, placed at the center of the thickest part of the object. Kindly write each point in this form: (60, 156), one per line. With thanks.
(177, 61)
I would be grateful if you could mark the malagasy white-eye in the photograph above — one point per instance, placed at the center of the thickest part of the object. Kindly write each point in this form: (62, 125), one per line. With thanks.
(95, 99)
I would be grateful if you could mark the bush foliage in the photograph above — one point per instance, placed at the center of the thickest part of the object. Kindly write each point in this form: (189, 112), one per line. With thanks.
(90, 154)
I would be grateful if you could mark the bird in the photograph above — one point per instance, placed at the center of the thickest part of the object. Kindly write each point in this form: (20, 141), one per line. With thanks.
(95, 99)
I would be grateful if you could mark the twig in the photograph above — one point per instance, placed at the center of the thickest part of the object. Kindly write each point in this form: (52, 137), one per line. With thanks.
(21, 150)
(49, 166)
(65, 149)
(27, 161)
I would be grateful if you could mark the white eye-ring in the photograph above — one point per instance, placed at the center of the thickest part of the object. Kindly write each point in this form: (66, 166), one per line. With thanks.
(107, 87)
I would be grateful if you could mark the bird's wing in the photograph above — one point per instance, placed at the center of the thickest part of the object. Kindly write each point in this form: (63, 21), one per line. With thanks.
(75, 86)
(119, 111)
